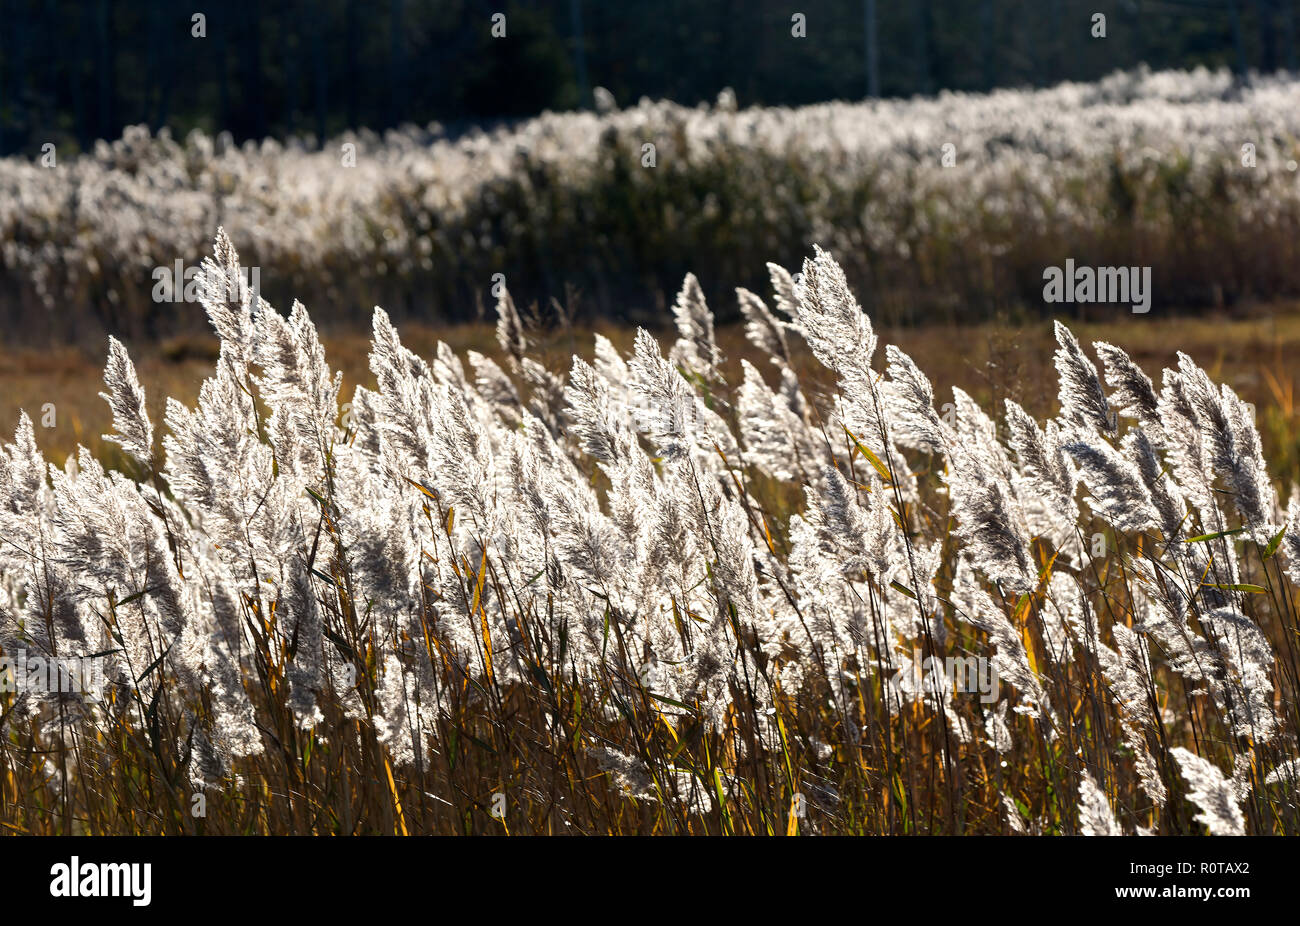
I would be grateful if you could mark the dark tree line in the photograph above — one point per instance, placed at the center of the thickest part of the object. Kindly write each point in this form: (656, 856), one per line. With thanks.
(72, 71)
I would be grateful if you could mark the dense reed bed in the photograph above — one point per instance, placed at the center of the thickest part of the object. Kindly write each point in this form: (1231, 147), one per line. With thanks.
(942, 209)
(631, 596)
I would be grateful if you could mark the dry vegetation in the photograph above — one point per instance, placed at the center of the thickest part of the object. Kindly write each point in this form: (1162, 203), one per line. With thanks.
(1138, 169)
(649, 594)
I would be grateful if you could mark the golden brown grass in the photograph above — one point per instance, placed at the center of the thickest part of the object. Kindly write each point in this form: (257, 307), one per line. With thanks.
(1259, 357)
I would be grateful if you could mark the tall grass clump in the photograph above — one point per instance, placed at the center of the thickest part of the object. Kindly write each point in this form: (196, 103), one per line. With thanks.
(636, 597)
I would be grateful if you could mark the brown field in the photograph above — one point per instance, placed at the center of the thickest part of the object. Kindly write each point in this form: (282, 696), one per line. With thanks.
(1256, 356)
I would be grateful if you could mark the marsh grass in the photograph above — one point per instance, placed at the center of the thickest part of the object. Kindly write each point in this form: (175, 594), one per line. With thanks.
(772, 610)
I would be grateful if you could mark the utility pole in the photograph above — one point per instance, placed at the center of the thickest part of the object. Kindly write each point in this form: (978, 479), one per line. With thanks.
(873, 51)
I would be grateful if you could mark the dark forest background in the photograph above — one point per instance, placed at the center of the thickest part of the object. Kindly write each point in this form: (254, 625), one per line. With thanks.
(72, 72)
